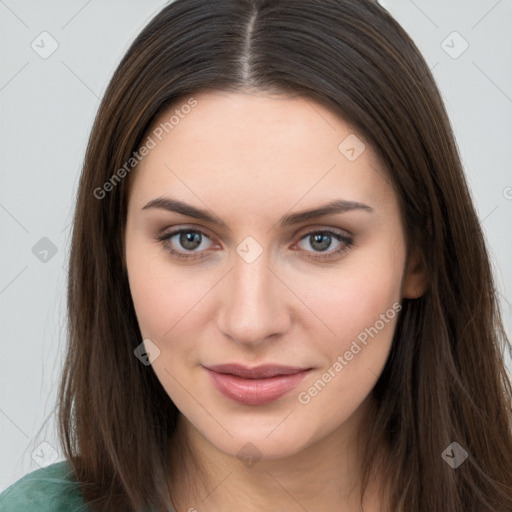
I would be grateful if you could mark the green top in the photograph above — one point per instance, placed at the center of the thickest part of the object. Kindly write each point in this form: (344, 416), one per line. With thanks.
(48, 489)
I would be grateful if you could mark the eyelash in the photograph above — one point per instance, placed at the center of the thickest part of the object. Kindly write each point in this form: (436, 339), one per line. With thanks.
(347, 243)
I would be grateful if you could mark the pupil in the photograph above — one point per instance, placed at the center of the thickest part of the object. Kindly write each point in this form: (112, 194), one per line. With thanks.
(321, 236)
(189, 238)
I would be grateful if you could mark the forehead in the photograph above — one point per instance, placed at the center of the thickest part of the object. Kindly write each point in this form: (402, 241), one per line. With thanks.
(253, 145)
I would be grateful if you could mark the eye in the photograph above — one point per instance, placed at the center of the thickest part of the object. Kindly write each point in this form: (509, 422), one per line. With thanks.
(192, 243)
(189, 239)
(321, 240)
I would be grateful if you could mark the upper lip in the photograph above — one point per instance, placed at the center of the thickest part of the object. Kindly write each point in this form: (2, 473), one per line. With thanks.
(257, 372)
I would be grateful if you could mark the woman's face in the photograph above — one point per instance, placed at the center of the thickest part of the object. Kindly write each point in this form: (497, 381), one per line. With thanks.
(253, 280)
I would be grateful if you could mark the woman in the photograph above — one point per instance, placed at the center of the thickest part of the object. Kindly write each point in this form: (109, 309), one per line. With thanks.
(218, 358)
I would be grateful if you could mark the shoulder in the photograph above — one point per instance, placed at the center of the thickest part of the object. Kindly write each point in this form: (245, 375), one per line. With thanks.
(49, 489)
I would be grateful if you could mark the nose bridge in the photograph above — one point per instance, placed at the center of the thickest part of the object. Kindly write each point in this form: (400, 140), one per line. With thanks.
(251, 280)
(253, 309)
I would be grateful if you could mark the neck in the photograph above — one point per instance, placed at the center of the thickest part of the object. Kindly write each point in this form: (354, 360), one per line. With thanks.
(324, 476)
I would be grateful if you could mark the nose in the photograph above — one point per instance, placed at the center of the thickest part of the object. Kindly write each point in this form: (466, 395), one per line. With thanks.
(256, 305)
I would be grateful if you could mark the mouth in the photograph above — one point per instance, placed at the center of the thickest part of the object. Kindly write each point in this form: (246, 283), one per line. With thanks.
(258, 385)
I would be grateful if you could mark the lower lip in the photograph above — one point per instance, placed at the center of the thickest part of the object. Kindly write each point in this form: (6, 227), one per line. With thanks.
(255, 391)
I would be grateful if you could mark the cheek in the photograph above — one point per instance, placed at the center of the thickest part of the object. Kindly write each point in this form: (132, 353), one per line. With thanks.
(350, 300)
(362, 311)
(160, 297)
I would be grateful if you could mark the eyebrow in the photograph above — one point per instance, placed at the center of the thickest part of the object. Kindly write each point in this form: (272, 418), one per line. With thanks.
(337, 206)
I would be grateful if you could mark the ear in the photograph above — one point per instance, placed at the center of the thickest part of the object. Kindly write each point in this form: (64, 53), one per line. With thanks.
(415, 278)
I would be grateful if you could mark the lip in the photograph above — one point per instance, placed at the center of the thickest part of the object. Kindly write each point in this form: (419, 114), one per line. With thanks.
(258, 385)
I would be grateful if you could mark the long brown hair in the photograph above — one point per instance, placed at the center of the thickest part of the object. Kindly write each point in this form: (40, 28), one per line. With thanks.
(445, 380)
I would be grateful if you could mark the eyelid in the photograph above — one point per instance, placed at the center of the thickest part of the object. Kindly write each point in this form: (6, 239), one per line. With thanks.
(322, 227)
(301, 231)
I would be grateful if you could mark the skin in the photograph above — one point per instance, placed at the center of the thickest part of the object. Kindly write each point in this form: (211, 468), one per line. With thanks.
(249, 158)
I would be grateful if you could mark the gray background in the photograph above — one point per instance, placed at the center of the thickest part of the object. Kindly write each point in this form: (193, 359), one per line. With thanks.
(47, 106)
